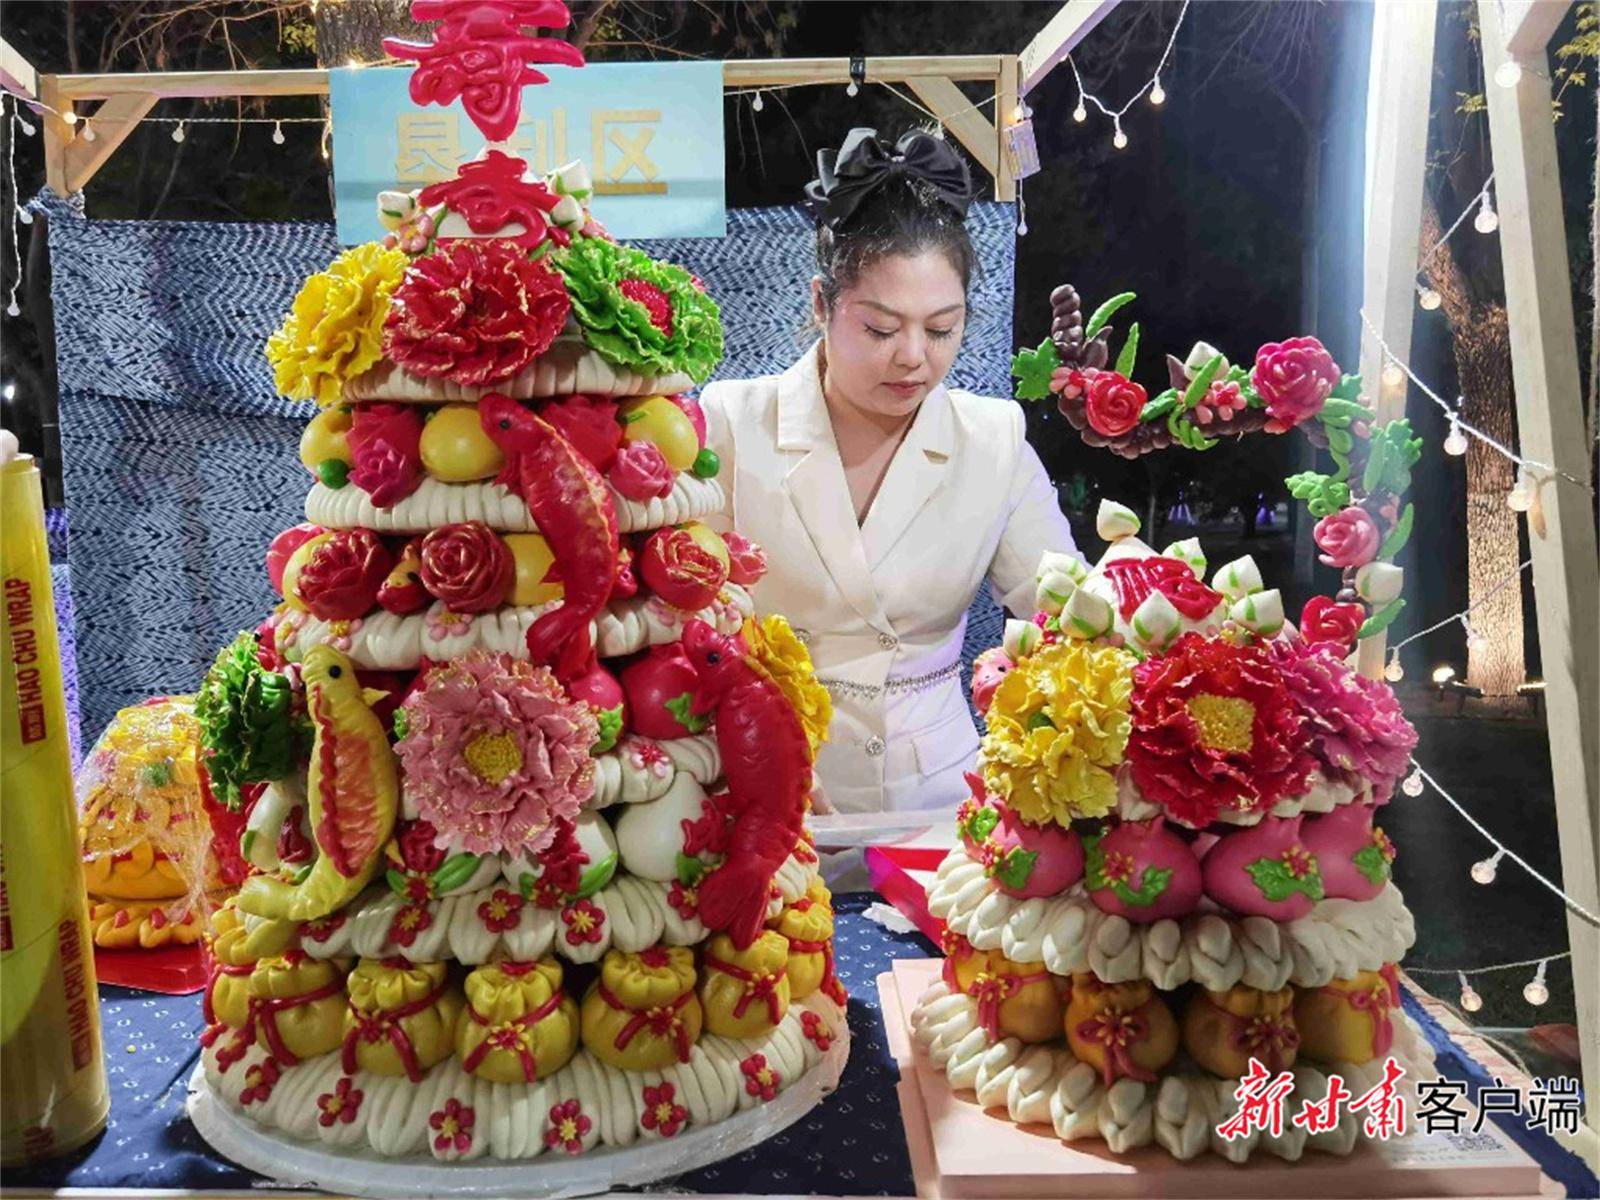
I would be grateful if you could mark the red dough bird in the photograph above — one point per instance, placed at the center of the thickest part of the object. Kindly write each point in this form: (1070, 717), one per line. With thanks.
(572, 507)
(767, 763)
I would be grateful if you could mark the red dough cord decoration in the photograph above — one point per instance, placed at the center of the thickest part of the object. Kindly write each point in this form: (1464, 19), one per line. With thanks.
(511, 1035)
(1135, 578)
(480, 55)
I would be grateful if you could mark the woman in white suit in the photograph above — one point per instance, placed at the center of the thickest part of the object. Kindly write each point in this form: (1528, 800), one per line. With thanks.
(884, 500)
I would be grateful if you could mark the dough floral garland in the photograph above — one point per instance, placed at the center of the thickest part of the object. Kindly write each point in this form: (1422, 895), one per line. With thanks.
(518, 777)
(1170, 868)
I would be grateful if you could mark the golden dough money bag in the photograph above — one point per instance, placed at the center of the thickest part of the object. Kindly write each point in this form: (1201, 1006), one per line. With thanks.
(298, 1005)
(745, 992)
(1020, 1000)
(402, 1017)
(962, 960)
(141, 825)
(1348, 1020)
(227, 998)
(147, 925)
(1122, 1030)
(808, 924)
(1223, 1031)
(642, 1014)
(518, 1025)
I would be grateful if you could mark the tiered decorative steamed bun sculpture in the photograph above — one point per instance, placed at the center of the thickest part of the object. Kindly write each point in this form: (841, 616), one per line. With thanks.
(525, 781)
(1171, 862)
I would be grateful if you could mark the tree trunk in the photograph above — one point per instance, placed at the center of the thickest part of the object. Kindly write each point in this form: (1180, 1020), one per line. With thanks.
(353, 31)
(1481, 342)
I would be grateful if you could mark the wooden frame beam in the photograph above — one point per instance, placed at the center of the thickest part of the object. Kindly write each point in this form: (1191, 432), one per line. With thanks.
(17, 75)
(1072, 23)
(1397, 159)
(1527, 26)
(1566, 574)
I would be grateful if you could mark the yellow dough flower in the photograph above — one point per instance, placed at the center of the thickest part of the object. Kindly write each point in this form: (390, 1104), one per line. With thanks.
(334, 332)
(1057, 729)
(782, 655)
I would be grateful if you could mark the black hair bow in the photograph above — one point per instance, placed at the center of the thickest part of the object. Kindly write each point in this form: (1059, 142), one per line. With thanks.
(847, 176)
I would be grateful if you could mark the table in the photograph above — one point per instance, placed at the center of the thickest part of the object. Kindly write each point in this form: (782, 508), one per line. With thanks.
(853, 1144)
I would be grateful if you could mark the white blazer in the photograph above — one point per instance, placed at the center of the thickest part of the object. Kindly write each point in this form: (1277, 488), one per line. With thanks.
(882, 606)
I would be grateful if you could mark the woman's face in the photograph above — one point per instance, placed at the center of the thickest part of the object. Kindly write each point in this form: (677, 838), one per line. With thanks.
(893, 334)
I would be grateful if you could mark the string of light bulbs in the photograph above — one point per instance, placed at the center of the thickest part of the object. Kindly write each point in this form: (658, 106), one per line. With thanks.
(19, 214)
(1535, 991)
(1394, 672)
(1157, 94)
(1487, 221)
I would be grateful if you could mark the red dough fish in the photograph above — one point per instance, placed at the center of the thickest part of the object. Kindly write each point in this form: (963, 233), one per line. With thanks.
(767, 763)
(572, 507)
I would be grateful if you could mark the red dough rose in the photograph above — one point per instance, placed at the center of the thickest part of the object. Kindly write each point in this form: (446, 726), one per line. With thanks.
(402, 591)
(476, 310)
(1324, 620)
(468, 566)
(385, 452)
(1112, 402)
(641, 472)
(680, 570)
(748, 561)
(625, 583)
(1347, 539)
(415, 839)
(283, 548)
(1294, 378)
(590, 424)
(340, 580)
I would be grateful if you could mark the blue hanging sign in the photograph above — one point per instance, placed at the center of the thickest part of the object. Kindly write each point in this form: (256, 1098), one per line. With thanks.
(650, 134)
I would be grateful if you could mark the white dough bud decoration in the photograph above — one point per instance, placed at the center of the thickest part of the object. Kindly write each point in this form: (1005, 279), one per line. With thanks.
(1260, 612)
(1156, 623)
(1115, 521)
(1087, 615)
(1203, 353)
(1022, 638)
(1069, 565)
(396, 208)
(1238, 579)
(1053, 592)
(1379, 582)
(1188, 551)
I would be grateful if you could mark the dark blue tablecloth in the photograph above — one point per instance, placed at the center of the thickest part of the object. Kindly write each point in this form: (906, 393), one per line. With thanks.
(852, 1144)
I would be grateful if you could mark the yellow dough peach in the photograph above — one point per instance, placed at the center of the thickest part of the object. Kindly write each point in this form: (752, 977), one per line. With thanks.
(658, 420)
(745, 992)
(518, 1025)
(1122, 1030)
(1223, 1031)
(454, 447)
(710, 541)
(534, 558)
(642, 1014)
(325, 437)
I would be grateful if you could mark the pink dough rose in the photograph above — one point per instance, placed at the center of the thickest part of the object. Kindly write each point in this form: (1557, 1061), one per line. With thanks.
(385, 443)
(640, 472)
(1294, 378)
(1347, 539)
(747, 562)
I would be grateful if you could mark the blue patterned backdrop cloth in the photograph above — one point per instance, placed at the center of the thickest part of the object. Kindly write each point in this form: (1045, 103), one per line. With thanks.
(180, 459)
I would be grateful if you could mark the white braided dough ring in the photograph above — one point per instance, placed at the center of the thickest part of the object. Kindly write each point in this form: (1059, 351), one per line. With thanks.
(1069, 934)
(568, 367)
(1047, 1085)
(436, 503)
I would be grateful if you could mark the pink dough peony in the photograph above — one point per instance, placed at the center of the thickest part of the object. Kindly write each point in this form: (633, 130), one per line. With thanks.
(1354, 724)
(496, 754)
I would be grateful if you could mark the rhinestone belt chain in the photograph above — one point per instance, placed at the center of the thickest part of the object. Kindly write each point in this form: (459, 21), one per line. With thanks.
(913, 683)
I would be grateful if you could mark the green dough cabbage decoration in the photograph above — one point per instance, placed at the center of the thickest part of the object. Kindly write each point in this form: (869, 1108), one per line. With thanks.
(642, 314)
(246, 735)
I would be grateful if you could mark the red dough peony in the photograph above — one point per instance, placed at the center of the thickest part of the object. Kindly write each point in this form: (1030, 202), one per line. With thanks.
(590, 424)
(660, 690)
(1264, 871)
(1143, 872)
(1214, 730)
(475, 310)
(385, 451)
(468, 566)
(676, 567)
(283, 548)
(340, 580)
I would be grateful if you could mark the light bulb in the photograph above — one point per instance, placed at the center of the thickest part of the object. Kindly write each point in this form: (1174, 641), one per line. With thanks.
(70, 117)
(12, 310)
(1080, 114)
(277, 133)
(1394, 374)
(1536, 993)
(1484, 871)
(1158, 95)
(758, 103)
(26, 127)
(1119, 139)
(1455, 442)
(24, 216)
(1394, 672)
(1443, 674)
(851, 89)
(177, 132)
(1470, 1000)
(1486, 221)
(1019, 114)
(1475, 640)
(1520, 497)
(1509, 73)
(88, 132)
(1022, 228)
(1413, 784)
(1428, 298)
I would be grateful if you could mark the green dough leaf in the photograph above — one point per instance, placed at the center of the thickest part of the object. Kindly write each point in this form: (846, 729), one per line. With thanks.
(1322, 494)
(1104, 313)
(1273, 880)
(610, 722)
(1348, 388)
(1399, 535)
(679, 707)
(1343, 412)
(596, 877)
(1016, 867)
(1040, 720)
(1382, 619)
(1201, 383)
(690, 869)
(1390, 458)
(1153, 881)
(1033, 369)
(157, 774)
(396, 879)
(246, 735)
(1160, 406)
(401, 722)
(1341, 441)
(1130, 351)
(981, 824)
(1370, 862)
(454, 871)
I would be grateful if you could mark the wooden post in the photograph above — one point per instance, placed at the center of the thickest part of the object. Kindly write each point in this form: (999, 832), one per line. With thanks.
(1006, 102)
(1398, 83)
(1566, 578)
(58, 134)
(957, 114)
(1072, 23)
